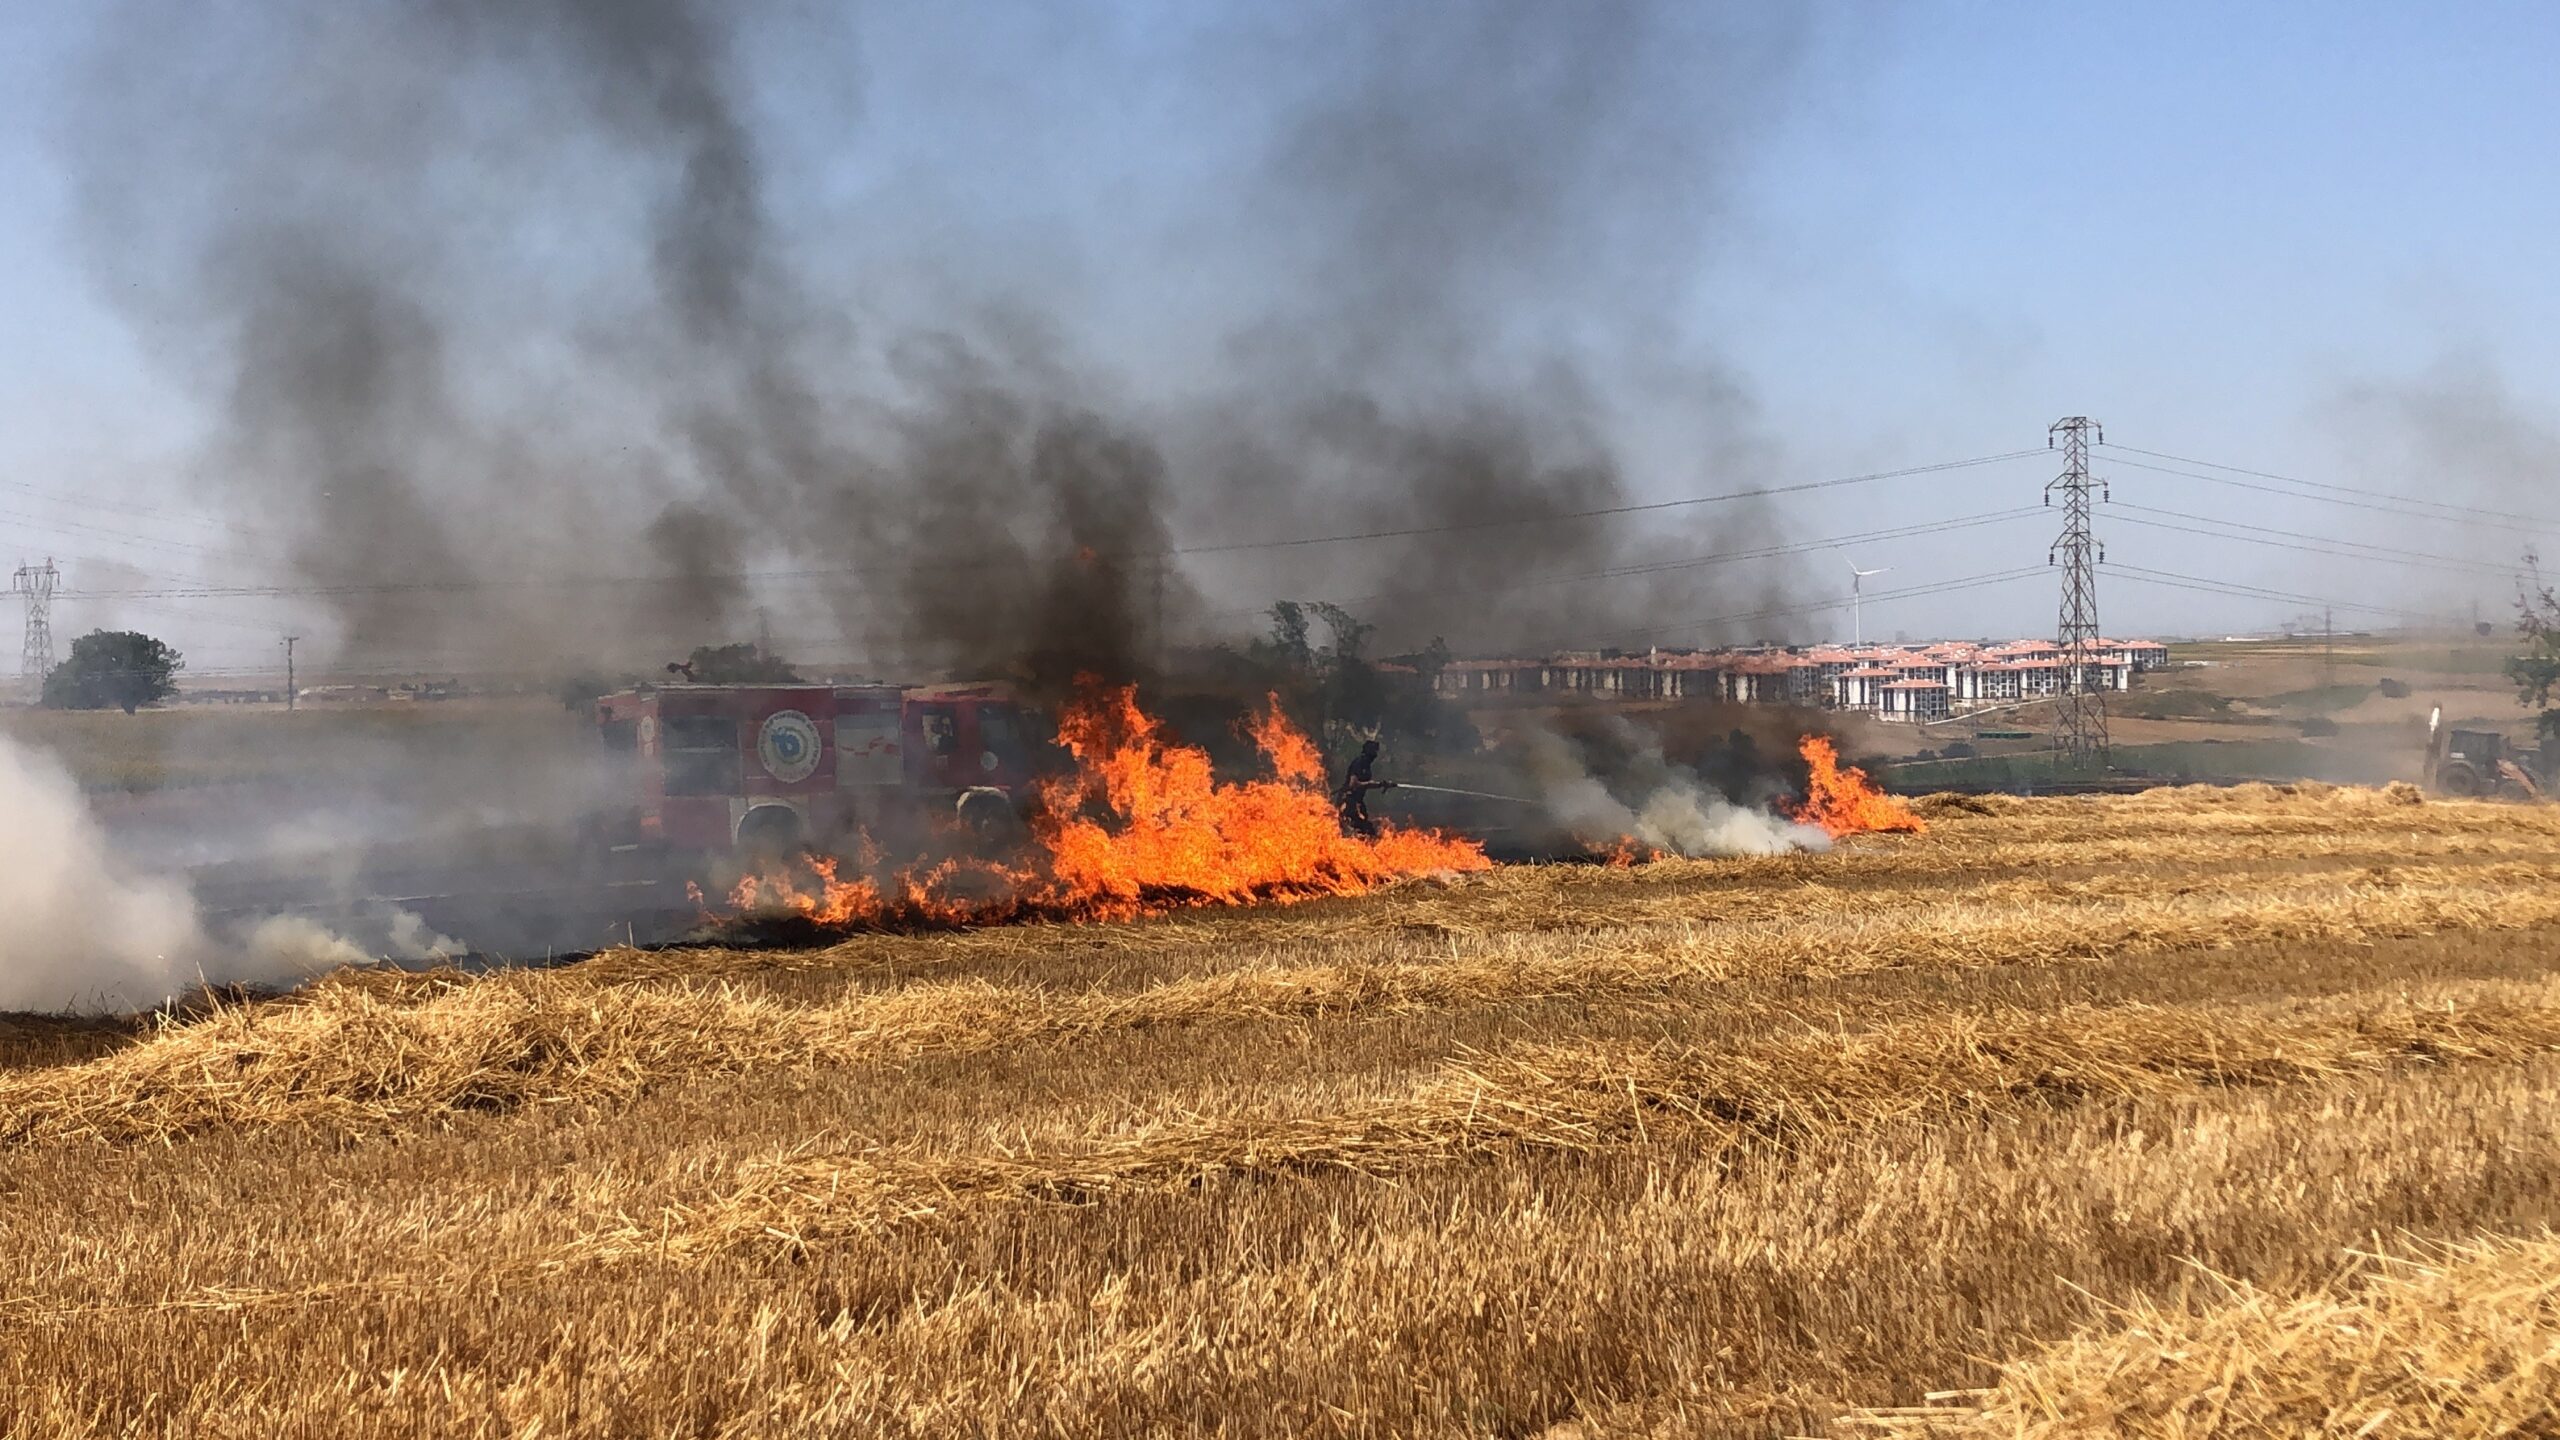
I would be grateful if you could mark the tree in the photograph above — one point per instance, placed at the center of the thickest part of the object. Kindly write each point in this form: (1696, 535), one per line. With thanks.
(739, 664)
(1342, 693)
(123, 669)
(1288, 645)
(2537, 671)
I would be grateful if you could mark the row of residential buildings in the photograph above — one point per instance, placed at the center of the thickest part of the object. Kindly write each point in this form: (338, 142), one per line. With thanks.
(1908, 683)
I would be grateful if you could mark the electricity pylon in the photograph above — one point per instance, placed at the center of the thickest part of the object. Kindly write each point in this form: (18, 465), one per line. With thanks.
(2080, 727)
(37, 583)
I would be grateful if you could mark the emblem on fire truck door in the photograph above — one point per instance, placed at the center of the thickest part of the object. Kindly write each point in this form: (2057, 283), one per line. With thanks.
(788, 746)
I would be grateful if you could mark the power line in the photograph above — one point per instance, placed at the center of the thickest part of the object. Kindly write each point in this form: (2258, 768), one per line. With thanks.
(128, 537)
(1764, 552)
(156, 512)
(465, 586)
(2254, 592)
(2481, 511)
(1550, 519)
(1969, 582)
(2387, 554)
(2485, 521)
(1901, 532)
(389, 664)
(191, 615)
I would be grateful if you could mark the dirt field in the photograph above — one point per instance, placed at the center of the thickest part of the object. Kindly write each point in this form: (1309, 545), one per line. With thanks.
(1737, 1147)
(190, 747)
(2354, 712)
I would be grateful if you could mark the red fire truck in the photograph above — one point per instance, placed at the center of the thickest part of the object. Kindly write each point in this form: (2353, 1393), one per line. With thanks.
(765, 771)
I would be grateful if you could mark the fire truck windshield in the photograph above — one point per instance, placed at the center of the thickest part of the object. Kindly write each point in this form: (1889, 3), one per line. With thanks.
(1000, 732)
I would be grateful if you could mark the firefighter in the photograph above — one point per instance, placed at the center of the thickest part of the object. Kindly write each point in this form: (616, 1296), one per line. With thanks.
(1352, 800)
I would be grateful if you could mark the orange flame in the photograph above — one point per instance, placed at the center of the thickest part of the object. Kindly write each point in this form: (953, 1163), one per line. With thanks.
(1842, 801)
(1140, 826)
(1626, 852)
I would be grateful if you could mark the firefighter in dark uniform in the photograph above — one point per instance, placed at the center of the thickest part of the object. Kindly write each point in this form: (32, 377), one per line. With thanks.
(1352, 800)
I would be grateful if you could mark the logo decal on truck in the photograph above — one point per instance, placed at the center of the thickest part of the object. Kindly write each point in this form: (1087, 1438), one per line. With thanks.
(788, 746)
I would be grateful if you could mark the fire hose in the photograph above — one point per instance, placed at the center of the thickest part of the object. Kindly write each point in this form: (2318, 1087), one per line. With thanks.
(1478, 794)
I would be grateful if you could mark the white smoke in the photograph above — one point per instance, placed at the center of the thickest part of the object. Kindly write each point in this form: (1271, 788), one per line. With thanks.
(1685, 817)
(81, 929)
(1678, 812)
(76, 932)
(300, 945)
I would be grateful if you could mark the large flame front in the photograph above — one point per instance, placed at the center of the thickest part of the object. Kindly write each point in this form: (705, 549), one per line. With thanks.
(1140, 825)
(1841, 800)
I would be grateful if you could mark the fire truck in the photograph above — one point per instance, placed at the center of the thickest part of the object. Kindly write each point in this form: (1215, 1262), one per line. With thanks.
(756, 772)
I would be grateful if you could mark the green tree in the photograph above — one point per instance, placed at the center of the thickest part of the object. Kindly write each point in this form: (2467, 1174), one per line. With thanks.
(739, 664)
(2537, 670)
(118, 669)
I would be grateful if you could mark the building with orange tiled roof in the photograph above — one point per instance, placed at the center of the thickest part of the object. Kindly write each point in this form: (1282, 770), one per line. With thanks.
(1890, 681)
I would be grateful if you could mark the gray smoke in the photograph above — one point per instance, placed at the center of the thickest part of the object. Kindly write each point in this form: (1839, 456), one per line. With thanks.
(702, 552)
(516, 314)
(2460, 430)
(1646, 798)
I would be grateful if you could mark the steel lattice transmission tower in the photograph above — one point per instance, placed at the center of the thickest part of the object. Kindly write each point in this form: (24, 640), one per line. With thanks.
(37, 583)
(2080, 727)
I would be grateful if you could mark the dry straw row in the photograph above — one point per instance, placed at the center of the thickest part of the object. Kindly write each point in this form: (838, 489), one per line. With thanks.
(351, 1058)
(1994, 846)
(1782, 1093)
(2036, 837)
(2205, 810)
(2460, 1343)
(1595, 898)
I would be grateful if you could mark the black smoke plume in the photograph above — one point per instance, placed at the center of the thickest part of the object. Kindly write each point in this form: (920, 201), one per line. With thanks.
(516, 313)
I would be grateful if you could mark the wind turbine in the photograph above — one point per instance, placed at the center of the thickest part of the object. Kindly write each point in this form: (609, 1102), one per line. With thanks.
(1857, 584)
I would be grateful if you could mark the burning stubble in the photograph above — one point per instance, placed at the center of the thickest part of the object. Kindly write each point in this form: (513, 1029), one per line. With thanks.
(1636, 794)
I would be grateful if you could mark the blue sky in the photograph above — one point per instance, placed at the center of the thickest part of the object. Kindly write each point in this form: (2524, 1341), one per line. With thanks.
(2308, 240)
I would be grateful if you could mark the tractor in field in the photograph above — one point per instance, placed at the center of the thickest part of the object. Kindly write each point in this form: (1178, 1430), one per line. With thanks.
(2471, 763)
(755, 773)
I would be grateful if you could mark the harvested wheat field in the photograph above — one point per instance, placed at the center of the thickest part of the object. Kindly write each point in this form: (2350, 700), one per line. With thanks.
(2195, 1113)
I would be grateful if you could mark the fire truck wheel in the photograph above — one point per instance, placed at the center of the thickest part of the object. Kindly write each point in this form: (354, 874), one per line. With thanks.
(769, 834)
(988, 817)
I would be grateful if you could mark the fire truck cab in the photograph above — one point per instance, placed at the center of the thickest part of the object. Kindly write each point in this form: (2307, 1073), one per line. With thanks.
(768, 770)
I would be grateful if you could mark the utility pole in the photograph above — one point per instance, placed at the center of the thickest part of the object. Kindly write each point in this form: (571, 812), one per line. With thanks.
(2328, 647)
(2080, 725)
(37, 583)
(289, 693)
